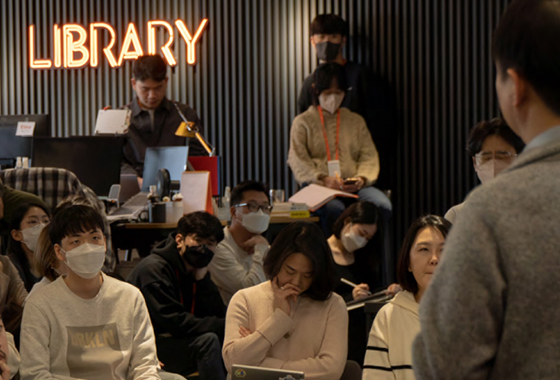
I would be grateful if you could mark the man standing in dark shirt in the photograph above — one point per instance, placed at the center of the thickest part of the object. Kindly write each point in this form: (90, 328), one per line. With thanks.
(366, 95)
(154, 118)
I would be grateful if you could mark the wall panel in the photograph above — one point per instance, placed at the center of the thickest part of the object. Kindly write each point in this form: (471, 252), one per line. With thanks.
(253, 57)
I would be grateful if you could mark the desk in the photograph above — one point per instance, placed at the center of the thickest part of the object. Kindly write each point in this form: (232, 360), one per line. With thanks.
(142, 236)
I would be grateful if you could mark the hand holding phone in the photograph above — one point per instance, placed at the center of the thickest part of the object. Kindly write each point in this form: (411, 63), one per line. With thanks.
(350, 181)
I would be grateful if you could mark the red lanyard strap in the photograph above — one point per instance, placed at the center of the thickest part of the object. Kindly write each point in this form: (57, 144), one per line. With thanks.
(325, 132)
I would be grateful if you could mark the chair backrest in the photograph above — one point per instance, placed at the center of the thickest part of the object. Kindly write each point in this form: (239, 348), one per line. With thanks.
(53, 185)
(352, 371)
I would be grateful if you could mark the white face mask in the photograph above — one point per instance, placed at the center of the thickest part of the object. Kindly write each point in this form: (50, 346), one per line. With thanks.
(86, 260)
(331, 102)
(352, 242)
(490, 169)
(31, 236)
(255, 222)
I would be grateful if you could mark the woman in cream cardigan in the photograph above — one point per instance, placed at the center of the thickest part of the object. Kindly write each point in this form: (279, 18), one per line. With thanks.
(389, 349)
(293, 321)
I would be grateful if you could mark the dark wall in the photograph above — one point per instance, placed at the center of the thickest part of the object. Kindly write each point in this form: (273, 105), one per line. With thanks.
(253, 57)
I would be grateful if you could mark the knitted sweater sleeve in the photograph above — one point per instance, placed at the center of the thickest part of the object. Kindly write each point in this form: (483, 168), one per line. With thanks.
(299, 158)
(251, 350)
(368, 162)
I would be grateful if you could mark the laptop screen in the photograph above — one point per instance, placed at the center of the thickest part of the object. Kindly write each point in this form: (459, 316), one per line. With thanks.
(172, 158)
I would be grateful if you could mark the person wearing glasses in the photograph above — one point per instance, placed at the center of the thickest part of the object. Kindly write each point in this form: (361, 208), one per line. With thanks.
(493, 146)
(238, 262)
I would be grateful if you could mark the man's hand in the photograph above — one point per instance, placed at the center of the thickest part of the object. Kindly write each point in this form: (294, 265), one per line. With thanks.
(332, 183)
(4, 371)
(200, 273)
(354, 188)
(249, 245)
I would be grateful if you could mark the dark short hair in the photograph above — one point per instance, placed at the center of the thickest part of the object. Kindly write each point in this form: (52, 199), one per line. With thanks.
(495, 127)
(202, 224)
(404, 276)
(323, 78)
(362, 212)
(74, 219)
(526, 40)
(150, 67)
(329, 24)
(250, 185)
(13, 246)
(308, 239)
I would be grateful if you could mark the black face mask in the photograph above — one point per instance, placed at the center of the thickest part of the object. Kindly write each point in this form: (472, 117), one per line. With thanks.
(327, 51)
(198, 256)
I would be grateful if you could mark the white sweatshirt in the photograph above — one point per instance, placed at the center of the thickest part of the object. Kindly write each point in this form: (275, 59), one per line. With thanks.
(389, 349)
(64, 336)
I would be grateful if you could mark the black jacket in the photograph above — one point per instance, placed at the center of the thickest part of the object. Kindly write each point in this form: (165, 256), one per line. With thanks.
(168, 289)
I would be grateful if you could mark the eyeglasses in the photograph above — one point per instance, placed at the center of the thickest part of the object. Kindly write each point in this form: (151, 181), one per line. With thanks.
(503, 156)
(253, 207)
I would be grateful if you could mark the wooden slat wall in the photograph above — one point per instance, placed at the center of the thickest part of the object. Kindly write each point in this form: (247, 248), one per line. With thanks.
(252, 60)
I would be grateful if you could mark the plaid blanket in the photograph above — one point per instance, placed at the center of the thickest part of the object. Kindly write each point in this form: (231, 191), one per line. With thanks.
(53, 185)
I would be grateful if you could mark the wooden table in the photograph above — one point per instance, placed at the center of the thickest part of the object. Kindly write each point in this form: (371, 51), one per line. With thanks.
(168, 226)
(142, 236)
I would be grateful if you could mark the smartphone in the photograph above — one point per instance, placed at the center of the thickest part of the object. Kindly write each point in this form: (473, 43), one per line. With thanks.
(350, 181)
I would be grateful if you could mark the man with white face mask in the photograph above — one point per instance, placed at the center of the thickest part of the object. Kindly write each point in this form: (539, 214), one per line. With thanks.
(238, 263)
(493, 146)
(86, 324)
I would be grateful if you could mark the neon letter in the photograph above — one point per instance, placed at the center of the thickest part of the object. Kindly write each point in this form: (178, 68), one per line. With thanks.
(93, 32)
(36, 63)
(72, 46)
(56, 46)
(191, 41)
(130, 38)
(152, 40)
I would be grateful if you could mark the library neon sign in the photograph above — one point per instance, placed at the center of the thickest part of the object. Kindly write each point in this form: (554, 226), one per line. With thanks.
(71, 49)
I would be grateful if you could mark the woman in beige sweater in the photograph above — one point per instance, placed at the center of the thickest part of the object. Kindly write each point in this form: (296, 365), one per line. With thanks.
(326, 139)
(293, 321)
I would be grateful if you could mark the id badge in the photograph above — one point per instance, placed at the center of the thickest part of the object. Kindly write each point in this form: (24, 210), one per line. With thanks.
(334, 168)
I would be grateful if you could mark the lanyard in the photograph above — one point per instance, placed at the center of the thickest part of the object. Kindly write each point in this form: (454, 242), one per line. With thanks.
(325, 132)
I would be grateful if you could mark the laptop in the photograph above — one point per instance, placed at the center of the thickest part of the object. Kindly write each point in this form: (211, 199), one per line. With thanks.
(172, 158)
(247, 372)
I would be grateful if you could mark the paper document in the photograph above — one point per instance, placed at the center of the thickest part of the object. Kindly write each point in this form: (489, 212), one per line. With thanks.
(113, 121)
(316, 196)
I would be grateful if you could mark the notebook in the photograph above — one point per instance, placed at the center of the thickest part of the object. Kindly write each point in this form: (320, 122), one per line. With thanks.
(246, 372)
(316, 196)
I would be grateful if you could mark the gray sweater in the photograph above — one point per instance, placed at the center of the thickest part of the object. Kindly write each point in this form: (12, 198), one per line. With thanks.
(493, 308)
